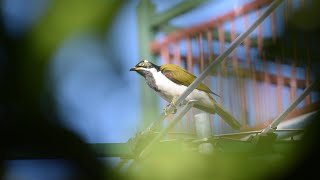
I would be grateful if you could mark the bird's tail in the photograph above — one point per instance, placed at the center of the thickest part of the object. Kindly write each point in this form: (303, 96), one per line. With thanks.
(232, 121)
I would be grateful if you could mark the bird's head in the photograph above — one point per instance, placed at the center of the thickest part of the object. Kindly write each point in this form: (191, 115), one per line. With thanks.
(145, 67)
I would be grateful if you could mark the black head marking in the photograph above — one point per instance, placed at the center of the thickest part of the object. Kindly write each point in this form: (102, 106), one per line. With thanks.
(148, 65)
(142, 68)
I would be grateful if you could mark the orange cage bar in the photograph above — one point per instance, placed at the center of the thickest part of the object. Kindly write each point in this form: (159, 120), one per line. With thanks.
(253, 86)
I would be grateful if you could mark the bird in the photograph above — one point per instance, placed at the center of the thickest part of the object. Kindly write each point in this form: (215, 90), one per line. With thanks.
(169, 81)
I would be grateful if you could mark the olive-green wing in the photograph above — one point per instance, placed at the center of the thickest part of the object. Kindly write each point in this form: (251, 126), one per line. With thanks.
(180, 76)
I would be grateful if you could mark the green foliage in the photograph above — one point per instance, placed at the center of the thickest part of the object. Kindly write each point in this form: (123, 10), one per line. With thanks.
(66, 18)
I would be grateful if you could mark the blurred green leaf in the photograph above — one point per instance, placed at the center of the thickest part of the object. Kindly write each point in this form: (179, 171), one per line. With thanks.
(66, 18)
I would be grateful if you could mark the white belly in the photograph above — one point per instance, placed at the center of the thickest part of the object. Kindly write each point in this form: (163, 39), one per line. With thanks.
(170, 89)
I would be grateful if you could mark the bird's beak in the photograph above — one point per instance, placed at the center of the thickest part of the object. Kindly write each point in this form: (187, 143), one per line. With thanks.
(134, 69)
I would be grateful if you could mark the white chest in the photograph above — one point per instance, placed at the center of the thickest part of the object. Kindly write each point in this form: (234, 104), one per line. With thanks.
(169, 89)
(166, 86)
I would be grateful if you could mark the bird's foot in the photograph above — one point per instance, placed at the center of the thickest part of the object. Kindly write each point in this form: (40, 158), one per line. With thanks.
(166, 109)
(173, 103)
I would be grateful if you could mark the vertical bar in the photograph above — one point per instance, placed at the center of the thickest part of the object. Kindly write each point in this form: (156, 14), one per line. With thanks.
(221, 71)
(267, 87)
(307, 68)
(248, 65)
(203, 130)
(250, 62)
(234, 99)
(149, 103)
(200, 45)
(259, 34)
(257, 107)
(308, 79)
(280, 80)
(234, 53)
(177, 59)
(202, 61)
(273, 27)
(202, 119)
(286, 11)
(209, 39)
(170, 55)
(221, 38)
(210, 57)
(243, 103)
(189, 55)
(209, 45)
(293, 79)
(280, 83)
(264, 89)
(189, 119)
(274, 40)
(247, 41)
(283, 44)
(267, 90)
(164, 53)
(201, 66)
(177, 56)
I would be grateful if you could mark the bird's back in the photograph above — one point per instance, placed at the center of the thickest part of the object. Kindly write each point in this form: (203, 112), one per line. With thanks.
(181, 76)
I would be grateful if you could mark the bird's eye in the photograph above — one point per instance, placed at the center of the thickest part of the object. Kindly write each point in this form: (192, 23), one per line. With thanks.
(141, 64)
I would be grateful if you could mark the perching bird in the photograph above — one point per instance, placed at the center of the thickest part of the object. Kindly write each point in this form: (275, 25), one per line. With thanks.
(170, 81)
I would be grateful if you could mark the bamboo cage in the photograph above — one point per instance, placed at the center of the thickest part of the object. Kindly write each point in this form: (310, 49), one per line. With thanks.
(260, 78)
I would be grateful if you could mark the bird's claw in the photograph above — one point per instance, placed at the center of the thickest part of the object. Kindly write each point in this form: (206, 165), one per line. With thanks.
(173, 103)
(166, 109)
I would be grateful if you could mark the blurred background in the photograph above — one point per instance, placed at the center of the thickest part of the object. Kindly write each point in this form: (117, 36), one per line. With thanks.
(65, 80)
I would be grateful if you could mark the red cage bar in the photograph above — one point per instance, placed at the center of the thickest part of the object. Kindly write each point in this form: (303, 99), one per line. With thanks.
(254, 87)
